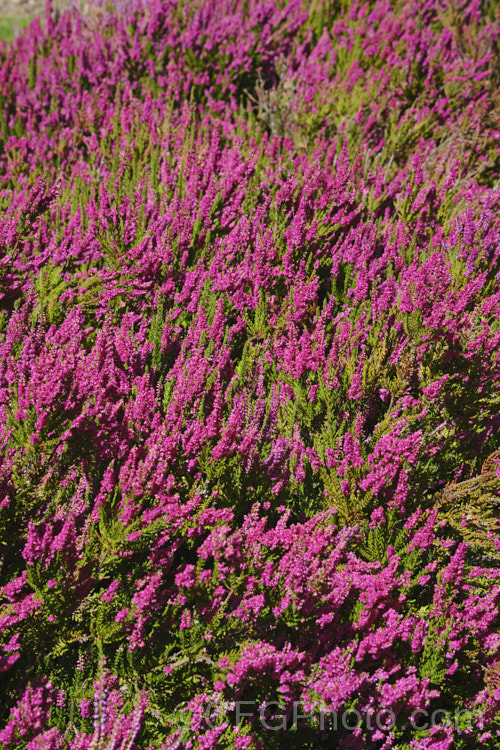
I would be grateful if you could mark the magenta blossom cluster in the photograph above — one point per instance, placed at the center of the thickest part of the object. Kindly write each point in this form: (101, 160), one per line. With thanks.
(249, 375)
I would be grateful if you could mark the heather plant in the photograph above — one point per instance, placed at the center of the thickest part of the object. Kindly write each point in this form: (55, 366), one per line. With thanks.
(249, 376)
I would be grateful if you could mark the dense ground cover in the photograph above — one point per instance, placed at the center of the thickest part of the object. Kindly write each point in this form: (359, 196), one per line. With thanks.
(249, 374)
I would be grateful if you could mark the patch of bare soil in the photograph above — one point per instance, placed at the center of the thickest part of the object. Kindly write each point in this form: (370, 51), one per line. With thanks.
(26, 8)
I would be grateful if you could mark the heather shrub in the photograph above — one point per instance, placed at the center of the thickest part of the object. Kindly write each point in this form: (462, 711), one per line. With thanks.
(249, 376)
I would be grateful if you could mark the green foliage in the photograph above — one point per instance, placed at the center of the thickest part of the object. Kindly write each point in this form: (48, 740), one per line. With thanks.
(10, 26)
